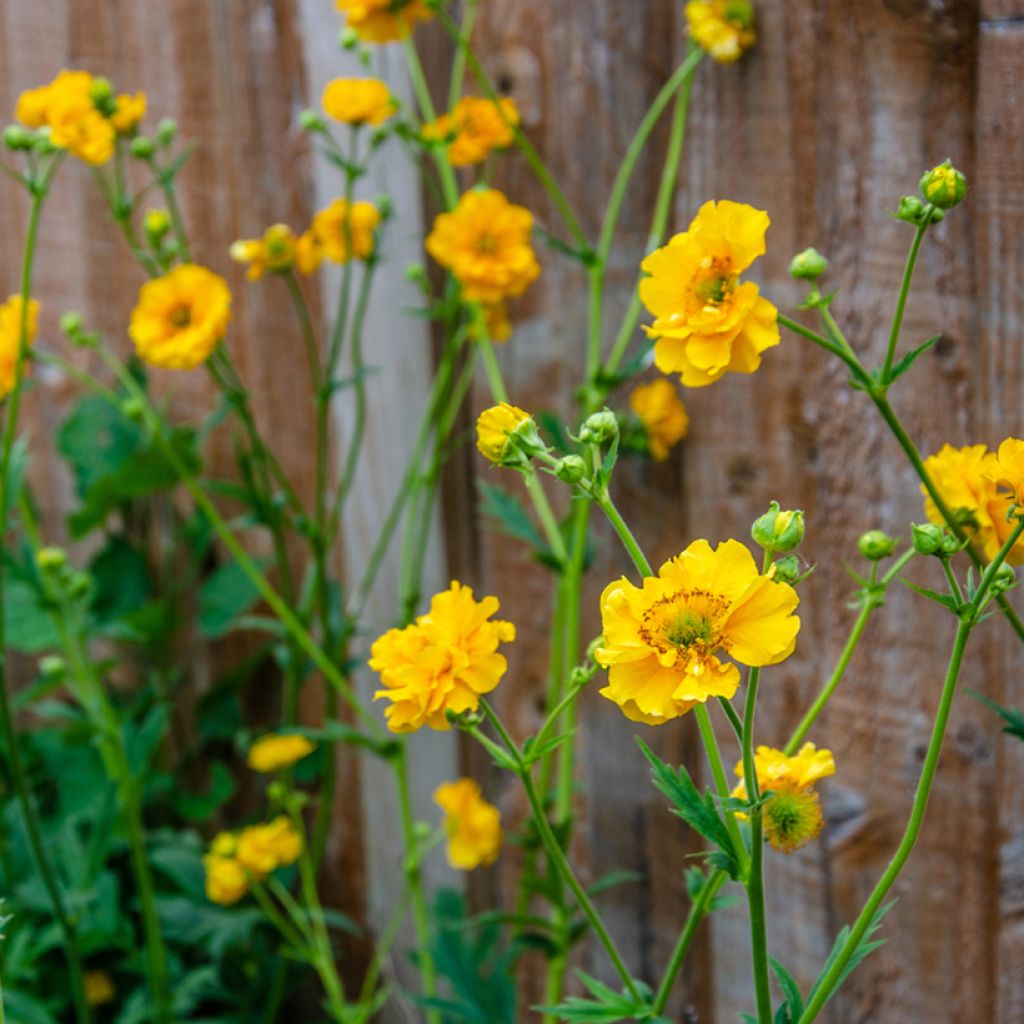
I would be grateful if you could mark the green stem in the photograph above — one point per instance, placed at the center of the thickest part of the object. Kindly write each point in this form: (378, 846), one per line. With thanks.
(492, 370)
(707, 734)
(851, 361)
(449, 184)
(607, 506)
(463, 31)
(901, 301)
(548, 521)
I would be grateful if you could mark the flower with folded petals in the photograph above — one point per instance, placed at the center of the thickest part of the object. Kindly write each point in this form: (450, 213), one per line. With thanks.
(272, 753)
(473, 826)
(662, 416)
(383, 21)
(706, 321)
(226, 879)
(275, 252)
(344, 230)
(1008, 469)
(358, 101)
(663, 640)
(724, 28)
(474, 128)
(129, 111)
(10, 337)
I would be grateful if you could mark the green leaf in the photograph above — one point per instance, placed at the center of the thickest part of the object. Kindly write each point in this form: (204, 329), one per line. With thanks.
(794, 1005)
(606, 1007)
(612, 879)
(29, 627)
(224, 596)
(202, 806)
(867, 945)
(509, 514)
(95, 440)
(122, 580)
(1013, 717)
(910, 358)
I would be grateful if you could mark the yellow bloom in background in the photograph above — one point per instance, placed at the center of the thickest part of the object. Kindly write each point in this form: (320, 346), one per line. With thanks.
(76, 124)
(473, 826)
(338, 224)
(272, 753)
(792, 817)
(274, 252)
(499, 326)
(129, 112)
(308, 253)
(443, 662)
(264, 848)
(493, 427)
(10, 338)
(180, 317)
(662, 640)
(662, 415)
(383, 21)
(226, 879)
(485, 243)
(966, 480)
(99, 988)
(358, 101)
(708, 323)
(474, 128)
(725, 28)
(1008, 469)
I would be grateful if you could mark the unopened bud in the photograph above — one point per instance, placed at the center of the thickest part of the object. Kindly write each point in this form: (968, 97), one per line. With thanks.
(944, 186)
(876, 545)
(385, 207)
(101, 92)
(133, 409)
(348, 38)
(571, 469)
(143, 147)
(778, 529)
(16, 137)
(79, 584)
(311, 121)
(911, 210)
(787, 570)
(926, 538)
(71, 324)
(808, 265)
(166, 130)
(1005, 579)
(157, 223)
(51, 559)
(415, 273)
(53, 666)
(600, 428)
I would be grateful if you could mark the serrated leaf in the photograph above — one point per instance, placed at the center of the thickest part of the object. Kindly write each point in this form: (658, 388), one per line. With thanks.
(1012, 716)
(794, 1004)
(510, 514)
(866, 946)
(606, 1007)
(910, 358)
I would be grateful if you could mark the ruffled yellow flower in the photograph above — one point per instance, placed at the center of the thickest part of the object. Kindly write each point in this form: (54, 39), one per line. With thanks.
(707, 322)
(724, 28)
(180, 317)
(130, 110)
(966, 480)
(1008, 469)
(792, 817)
(226, 879)
(494, 427)
(330, 230)
(262, 849)
(473, 826)
(445, 661)
(383, 21)
(99, 988)
(661, 414)
(662, 640)
(10, 338)
(272, 753)
(76, 124)
(474, 128)
(358, 101)
(308, 254)
(274, 252)
(485, 243)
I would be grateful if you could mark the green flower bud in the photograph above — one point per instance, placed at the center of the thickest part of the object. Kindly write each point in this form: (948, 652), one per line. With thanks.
(134, 409)
(571, 469)
(1005, 579)
(42, 143)
(876, 545)
(384, 205)
(166, 130)
(778, 529)
(808, 265)
(600, 428)
(53, 666)
(277, 791)
(51, 559)
(142, 147)
(950, 544)
(420, 832)
(79, 584)
(71, 324)
(101, 92)
(157, 223)
(926, 538)
(580, 676)
(787, 570)
(944, 186)
(16, 137)
(311, 121)
(911, 210)
(415, 273)
(348, 39)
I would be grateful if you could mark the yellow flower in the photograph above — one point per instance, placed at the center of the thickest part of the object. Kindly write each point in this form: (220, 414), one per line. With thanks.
(308, 253)
(792, 817)
(99, 988)
(474, 128)
(129, 112)
(10, 337)
(485, 243)
(499, 326)
(966, 480)
(443, 662)
(336, 226)
(661, 640)
(358, 101)
(272, 753)
(1008, 470)
(383, 21)
(663, 416)
(264, 848)
(493, 428)
(274, 252)
(706, 321)
(472, 824)
(180, 317)
(224, 844)
(66, 106)
(725, 28)
(226, 879)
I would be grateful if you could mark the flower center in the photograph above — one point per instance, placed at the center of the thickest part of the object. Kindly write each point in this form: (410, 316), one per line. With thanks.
(688, 620)
(486, 244)
(181, 316)
(714, 281)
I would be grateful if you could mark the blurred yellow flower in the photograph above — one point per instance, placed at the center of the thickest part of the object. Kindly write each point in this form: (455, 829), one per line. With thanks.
(493, 427)
(496, 319)
(264, 848)
(308, 253)
(76, 124)
(485, 243)
(661, 414)
(272, 753)
(474, 128)
(180, 317)
(724, 28)
(966, 480)
(10, 337)
(1008, 469)
(383, 21)
(473, 826)
(226, 879)
(358, 101)
(338, 225)
(99, 988)
(707, 322)
(443, 662)
(661, 640)
(129, 112)
(274, 252)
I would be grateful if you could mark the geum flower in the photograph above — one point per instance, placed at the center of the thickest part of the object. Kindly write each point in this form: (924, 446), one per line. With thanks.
(475, 127)
(11, 313)
(445, 661)
(274, 752)
(485, 243)
(706, 321)
(662, 416)
(1008, 469)
(383, 21)
(724, 28)
(343, 230)
(274, 252)
(358, 101)
(473, 826)
(662, 640)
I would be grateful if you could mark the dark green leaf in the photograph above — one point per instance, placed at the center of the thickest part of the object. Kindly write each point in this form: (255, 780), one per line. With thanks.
(866, 945)
(96, 439)
(1012, 716)
(794, 1005)
(29, 627)
(509, 513)
(224, 596)
(202, 806)
(910, 358)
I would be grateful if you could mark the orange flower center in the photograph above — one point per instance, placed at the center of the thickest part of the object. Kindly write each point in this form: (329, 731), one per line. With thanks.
(714, 281)
(181, 316)
(687, 620)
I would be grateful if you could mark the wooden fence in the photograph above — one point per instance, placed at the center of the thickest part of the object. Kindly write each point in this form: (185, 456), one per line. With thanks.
(829, 120)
